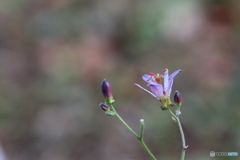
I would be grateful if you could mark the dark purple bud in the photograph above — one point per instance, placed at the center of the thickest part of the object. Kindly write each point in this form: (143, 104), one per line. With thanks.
(177, 98)
(107, 91)
(104, 106)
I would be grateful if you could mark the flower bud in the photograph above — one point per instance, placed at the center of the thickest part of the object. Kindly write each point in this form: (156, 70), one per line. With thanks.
(177, 98)
(142, 122)
(107, 91)
(104, 106)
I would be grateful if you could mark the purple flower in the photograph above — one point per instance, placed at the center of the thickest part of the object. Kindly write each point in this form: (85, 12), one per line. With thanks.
(160, 85)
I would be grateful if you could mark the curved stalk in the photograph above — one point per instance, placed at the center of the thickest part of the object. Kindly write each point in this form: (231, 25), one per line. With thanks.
(184, 146)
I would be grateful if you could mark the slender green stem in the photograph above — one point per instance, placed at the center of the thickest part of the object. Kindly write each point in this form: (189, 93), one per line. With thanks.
(184, 147)
(140, 138)
(126, 125)
(142, 141)
(146, 149)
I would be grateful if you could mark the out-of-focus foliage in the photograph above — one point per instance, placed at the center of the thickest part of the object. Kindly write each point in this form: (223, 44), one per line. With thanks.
(55, 53)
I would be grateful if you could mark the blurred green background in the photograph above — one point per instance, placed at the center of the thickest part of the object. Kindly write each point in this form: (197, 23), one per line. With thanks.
(55, 53)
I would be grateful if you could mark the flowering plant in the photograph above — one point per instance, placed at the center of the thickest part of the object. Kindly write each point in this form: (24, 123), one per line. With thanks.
(161, 87)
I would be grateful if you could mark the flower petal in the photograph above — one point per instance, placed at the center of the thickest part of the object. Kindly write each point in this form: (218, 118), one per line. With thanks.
(165, 80)
(157, 90)
(146, 90)
(174, 74)
(170, 81)
(149, 79)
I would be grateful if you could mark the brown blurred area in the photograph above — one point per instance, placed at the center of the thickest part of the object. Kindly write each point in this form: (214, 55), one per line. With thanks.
(55, 53)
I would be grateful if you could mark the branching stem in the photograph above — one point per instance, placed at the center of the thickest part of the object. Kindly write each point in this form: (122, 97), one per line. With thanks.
(140, 138)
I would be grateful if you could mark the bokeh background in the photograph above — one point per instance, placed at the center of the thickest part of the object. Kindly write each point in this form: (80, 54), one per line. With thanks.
(55, 53)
